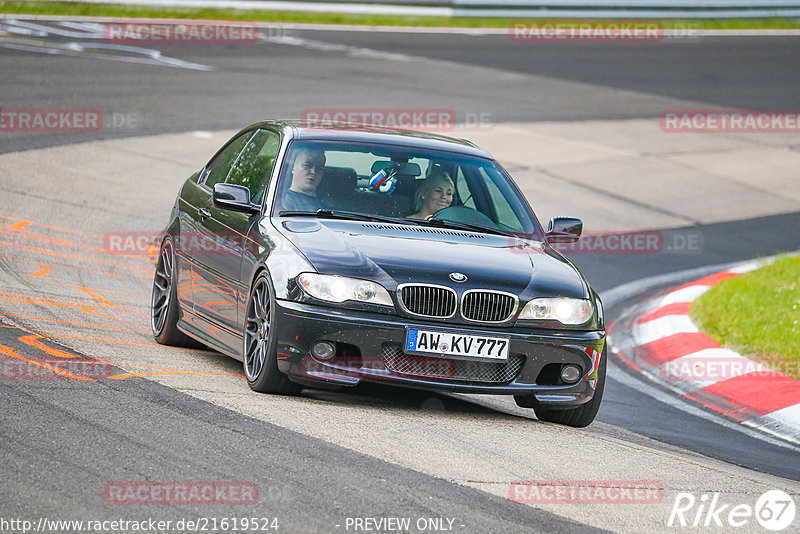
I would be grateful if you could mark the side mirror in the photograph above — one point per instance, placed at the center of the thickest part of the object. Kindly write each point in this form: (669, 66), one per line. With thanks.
(234, 198)
(564, 230)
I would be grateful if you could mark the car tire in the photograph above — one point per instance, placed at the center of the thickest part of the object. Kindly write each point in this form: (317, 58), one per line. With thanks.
(259, 356)
(580, 416)
(164, 310)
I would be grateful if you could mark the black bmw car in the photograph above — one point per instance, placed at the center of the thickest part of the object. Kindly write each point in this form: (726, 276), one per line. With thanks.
(335, 255)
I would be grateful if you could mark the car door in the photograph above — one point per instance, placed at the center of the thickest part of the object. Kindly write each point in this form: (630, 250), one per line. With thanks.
(198, 243)
(254, 170)
(218, 288)
(195, 199)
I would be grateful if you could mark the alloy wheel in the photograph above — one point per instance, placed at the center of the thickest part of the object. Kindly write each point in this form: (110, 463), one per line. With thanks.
(257, 330)
(162, 289)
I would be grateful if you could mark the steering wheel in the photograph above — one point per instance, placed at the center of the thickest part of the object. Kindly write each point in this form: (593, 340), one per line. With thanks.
(465, 215)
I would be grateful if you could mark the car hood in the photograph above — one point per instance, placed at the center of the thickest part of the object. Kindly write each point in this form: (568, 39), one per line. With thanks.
(397, 254)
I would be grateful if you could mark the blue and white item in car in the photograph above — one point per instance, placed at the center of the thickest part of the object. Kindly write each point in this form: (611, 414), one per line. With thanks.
(383, 181)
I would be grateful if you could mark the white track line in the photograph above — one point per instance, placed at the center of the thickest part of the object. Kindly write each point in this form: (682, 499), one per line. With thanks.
(622, 376)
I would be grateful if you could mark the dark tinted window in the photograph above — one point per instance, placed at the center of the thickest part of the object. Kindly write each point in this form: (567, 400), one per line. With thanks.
(218, 169)
(254, 166)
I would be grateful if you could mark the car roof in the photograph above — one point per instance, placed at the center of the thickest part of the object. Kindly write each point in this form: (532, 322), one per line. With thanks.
(301, 129)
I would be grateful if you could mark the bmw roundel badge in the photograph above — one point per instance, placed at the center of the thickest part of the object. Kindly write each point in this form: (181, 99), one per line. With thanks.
(458, 277)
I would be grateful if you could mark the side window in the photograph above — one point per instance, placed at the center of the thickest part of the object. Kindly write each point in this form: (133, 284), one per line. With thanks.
(220, 165)
(254, 166)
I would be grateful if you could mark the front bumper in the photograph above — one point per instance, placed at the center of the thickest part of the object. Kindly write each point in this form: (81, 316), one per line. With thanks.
(369, 347)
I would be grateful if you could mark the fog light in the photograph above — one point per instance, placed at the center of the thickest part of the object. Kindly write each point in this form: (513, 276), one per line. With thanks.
(324, 350)
(570, 374)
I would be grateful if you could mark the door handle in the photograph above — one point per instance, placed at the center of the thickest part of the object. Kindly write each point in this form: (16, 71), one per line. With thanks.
(204, 213)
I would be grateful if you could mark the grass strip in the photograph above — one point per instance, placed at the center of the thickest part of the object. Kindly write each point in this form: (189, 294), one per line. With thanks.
(757, 314)
(119, 10)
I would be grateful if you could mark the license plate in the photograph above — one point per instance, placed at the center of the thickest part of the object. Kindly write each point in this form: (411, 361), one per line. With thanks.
(494, 348)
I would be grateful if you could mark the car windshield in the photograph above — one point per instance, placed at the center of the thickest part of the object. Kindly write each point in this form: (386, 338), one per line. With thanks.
(404, 184)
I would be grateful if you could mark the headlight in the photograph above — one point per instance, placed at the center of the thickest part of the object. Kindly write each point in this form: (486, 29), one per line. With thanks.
(340, 289)
(564, 310)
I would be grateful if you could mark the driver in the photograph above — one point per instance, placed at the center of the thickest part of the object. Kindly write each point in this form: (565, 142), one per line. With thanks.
(307, 170)
(435, 193)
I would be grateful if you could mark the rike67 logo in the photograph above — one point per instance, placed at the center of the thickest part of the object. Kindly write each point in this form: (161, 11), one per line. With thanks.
(774, 510)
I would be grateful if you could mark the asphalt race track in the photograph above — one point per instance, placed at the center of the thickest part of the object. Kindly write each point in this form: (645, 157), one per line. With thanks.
(153, 413)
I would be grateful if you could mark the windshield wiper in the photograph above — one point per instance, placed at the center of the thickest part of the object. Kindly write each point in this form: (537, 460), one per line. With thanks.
(337, 214)
(447, 223)
(354, 216)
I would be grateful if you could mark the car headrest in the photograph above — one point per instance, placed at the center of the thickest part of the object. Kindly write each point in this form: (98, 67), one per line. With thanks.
(338, 182)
